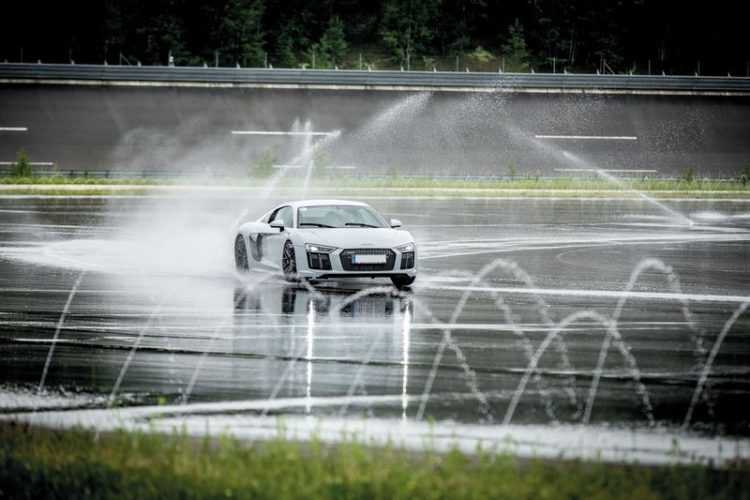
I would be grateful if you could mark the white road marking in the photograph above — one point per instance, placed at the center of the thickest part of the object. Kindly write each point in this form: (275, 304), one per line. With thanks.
(14, 129)
(602, 293)
(616, 170)
(275, 132)
(32, 163)
(589, 137)
(342, 167)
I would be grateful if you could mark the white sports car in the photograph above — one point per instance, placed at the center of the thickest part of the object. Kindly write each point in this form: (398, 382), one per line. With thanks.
(327, 239)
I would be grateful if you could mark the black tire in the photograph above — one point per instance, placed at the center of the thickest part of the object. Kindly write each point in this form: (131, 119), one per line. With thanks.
(240, 254)
(402, 281)
(289, 262)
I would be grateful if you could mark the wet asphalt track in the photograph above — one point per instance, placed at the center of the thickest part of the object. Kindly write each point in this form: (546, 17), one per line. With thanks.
(157, 273)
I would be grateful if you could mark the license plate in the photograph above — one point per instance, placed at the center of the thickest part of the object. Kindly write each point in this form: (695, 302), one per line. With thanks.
(368, 259)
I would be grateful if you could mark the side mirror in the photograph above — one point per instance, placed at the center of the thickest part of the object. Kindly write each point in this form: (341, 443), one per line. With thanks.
(277, 224)
(395, 223)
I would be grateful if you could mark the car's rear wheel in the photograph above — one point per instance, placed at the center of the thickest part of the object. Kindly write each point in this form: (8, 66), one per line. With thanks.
(289, 262)
(240, 254)
(402, 281)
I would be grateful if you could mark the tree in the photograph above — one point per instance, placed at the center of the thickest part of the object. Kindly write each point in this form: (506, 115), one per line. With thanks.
(283, 53)
(160, 32)
(242, 32)
(333, 43)
(114, 37)
(458, 23)
(22, 167)
(407, 26)
(516, 55)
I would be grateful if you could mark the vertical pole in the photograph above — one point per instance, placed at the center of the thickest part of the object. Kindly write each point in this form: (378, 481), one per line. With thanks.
(216, 58)
(265, 59)
(360, 61)
(313, 59)
(456, 63)
(21, 54)
(649, 67)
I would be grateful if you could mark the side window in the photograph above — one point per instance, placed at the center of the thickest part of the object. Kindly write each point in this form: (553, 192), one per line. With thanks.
(283, 213)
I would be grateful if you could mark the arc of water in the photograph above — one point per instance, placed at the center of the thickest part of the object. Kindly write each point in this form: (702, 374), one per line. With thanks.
(578, 161)
(529, 353)
(518, 273)
(560, 329)
(469, 374)
(305, 158)
(685, 220)
(514, 270)
(710, 361)
(57, 331)
(409, 106)
(674, 283)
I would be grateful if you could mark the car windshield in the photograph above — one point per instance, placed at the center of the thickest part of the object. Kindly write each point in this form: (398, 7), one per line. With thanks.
(338, 216)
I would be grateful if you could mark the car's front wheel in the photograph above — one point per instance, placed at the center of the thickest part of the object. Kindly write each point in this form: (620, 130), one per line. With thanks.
(289, 262)
(240, 254)
(402, 281)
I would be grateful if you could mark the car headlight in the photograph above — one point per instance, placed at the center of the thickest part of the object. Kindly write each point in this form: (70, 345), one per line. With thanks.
(318, 248)
(409, 247)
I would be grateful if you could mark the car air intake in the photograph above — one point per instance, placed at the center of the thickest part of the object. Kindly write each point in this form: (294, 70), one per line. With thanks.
(319, 261)
(349, 256)
(407, 260)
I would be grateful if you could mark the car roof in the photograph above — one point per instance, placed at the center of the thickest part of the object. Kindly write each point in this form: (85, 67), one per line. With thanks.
(313, 203)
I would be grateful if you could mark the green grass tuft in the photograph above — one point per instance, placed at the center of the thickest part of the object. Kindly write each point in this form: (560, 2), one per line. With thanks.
(42, 463)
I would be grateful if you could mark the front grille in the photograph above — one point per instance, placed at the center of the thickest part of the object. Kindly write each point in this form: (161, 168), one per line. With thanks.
(319, 261)
(346, 259)
(407, 260)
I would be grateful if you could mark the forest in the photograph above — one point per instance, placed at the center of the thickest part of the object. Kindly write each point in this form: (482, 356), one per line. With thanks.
(581, 36)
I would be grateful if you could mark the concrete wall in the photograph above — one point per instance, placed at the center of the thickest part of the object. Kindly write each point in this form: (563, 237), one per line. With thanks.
(136, 128)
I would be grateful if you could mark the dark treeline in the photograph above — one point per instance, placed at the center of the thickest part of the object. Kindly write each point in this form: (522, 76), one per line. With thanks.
(519, 35)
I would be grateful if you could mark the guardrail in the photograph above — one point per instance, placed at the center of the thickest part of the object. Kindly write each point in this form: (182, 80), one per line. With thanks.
(405, 80)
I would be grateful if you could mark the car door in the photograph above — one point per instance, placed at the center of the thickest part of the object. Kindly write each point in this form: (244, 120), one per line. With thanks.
(273, 243)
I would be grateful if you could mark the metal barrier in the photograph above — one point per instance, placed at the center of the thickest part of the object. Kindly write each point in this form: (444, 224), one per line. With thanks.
(400, 80)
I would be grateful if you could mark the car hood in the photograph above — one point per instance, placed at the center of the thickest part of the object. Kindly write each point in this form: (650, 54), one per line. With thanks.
(356, 237)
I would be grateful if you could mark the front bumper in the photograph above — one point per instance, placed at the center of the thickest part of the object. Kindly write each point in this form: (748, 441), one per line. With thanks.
(337, 269)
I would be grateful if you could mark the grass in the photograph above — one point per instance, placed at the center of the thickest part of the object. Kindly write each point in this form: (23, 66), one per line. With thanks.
(423, 186)
(43, 463)
(79, 180)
